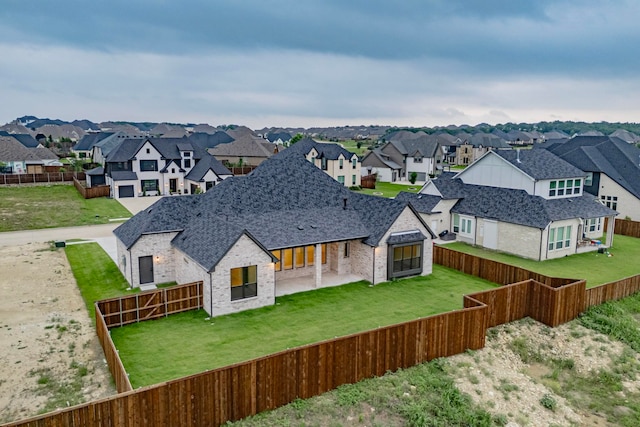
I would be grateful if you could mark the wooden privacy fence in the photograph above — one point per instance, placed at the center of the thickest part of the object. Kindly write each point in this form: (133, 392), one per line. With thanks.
(237, 391)
(32, 178)
(92, 192)
(241, 170)
(149, 305)
(368, 181)
(625, 227)
(214, 397)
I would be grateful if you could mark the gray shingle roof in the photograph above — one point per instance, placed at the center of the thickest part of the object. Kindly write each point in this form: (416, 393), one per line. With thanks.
(609, 155)
(540, 164)
(124, 176)
(169, 148)
(382, 158)
(329, 151)
(87, 142)
(206, 164)
(517, 206)
(11, 150)
(285, 202)
(409, 237)
(207, 140)
(423, 203)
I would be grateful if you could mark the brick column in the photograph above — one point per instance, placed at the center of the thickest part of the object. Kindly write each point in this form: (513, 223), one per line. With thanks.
(318, 265)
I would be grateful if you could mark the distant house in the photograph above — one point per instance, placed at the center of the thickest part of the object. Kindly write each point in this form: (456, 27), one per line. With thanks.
(18, 159)
(529, 203)
(337, 162)
(287, 227)
(245, 150)
(418, 153)
(612, 167)
(24, 138)
(161, 166)
(84, 148)
(209, 140)
(377, 162)
(476, 146)
(279, 138)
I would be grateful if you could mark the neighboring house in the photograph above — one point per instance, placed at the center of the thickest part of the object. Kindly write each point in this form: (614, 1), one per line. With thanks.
(337, 162)
(612, 167)
(287, 227)
(18, 159)
(476, 146)
(246, 150)
(529, 203)
(25, 139)
(419, 153)
(84, 148)
(209, 140)
(626, 136)
(279, 138)
(161, 166)
(101, 149)
(376, 162)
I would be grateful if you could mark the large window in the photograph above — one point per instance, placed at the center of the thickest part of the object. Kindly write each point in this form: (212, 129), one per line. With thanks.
(298, 257)
(244, 282)
(149, 185)
(562, 187)
(406, 260)
(594, 224)
(298, 254)
(148, 165)
(341, 179)
(559, 237)
(456, 223)
(341, 163)
(610, 201)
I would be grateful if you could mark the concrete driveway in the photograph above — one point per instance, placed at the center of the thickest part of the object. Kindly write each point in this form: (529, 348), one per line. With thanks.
(137, 204)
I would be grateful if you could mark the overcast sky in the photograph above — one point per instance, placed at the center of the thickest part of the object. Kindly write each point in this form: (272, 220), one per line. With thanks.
(321, 63)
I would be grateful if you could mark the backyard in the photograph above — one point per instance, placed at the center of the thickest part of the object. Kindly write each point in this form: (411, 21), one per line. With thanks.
(596, 268)
(390, 189)
(34, 207)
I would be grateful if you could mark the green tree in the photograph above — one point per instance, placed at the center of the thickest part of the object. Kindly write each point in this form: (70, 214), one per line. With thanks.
(296, 138)
(412, 177)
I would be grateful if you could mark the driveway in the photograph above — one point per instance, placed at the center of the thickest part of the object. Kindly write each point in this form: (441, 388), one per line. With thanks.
(137, 204)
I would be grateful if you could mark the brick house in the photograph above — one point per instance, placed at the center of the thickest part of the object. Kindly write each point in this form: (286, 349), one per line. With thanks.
(286, 227)
(336, 161)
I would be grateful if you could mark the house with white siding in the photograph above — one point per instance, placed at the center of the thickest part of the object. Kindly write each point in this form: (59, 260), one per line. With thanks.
(529, 203)
(284, 228)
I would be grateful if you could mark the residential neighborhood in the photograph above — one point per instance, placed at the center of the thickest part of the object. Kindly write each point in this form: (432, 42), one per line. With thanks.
(266, 227)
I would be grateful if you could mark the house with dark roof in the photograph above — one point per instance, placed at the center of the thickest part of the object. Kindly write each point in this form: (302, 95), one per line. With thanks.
(284, 228)
(24, 138)
(279, 138)
(529, 203)
(378, 163)
(612, 168)
(474, 147)
(417, 153)
(337, 162)
(16, 158)
(246, 150)
(161, 166)
(84, 148)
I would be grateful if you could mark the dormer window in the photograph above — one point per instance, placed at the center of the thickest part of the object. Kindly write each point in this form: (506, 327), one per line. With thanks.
(187, 154)
(417, 159)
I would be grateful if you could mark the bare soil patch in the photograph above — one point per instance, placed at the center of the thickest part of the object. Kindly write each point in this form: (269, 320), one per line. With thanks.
(50, 356)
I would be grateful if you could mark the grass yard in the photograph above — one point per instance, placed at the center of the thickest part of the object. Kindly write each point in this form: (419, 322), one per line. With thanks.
(200, 343)
(34, 207)
(97, 275)
(594, 267)
(390, 189)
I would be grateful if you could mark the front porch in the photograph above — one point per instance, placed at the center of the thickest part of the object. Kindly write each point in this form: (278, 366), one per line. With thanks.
(307, 283)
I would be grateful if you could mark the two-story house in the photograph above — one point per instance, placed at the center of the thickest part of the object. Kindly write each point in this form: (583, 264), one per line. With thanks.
(337, 162)
(612, 167)
(476, 146)
(526, 202)
(286, 227)
(161, 166)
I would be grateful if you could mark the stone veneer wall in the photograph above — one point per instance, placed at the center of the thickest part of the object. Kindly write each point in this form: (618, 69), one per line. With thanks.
(519, 240)
(243, 254)
(159, 247)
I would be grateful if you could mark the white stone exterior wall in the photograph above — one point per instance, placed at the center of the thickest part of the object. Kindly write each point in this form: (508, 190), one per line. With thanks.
(559, 253)
(159, 247)
(520, 240)
(628, 204)
(406, 221)
(362, 260)
(384, 174)
(243, 254)
(426, 166)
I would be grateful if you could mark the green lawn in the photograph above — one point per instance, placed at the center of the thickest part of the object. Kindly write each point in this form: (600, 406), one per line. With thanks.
(97, 275)
(33, 207)
(390, 189)
(594, 267)
(199, 342)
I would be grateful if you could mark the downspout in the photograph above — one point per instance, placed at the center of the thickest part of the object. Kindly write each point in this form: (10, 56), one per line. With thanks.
(130, 266)
(210, 294)
(373, 276)
(540, 251)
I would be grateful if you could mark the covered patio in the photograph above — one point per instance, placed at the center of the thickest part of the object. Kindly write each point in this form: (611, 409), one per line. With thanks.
(308, 283)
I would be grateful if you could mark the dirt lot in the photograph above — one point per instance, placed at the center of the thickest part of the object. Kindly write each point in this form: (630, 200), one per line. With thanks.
(49, 354)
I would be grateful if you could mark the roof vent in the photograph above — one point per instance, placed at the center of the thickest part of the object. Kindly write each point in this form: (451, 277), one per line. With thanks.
(300, 227)
(518, 155)
(344, 203)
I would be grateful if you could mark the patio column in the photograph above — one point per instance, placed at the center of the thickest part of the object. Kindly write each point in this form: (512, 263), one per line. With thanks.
(611, 225)
(318, 265)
